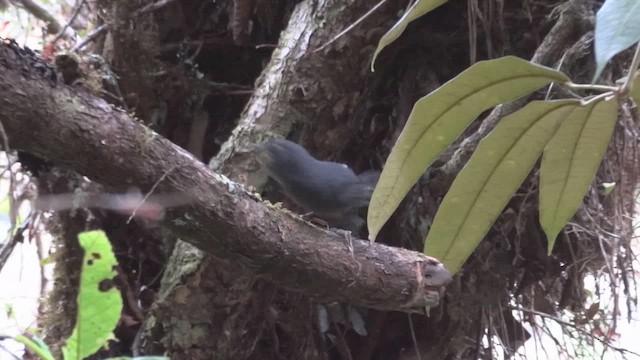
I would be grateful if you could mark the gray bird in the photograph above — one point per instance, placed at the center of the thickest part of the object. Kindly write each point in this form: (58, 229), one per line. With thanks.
(330, 190)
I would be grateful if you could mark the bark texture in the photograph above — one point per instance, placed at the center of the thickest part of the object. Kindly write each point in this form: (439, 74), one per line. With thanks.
(298, 87)
(217, 77)
(222, 218)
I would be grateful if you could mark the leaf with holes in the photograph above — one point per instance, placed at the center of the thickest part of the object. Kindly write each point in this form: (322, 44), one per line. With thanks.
(99, 302)
(493, 174)
(570, 163)
(440, 117)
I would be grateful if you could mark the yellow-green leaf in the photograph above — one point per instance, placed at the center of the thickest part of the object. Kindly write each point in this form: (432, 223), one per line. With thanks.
(440, 117)
(419, 8)
(99, 302)
(635, 89)
(493, 174)
(570, 162)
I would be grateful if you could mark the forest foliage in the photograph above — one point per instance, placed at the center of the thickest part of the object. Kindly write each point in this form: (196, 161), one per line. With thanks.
(571, 136)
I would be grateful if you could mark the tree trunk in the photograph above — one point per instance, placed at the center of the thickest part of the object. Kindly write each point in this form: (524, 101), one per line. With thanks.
(250, 281)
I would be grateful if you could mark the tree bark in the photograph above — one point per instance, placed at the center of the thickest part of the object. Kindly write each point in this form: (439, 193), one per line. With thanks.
(222, 218)
(298, 87)
(328, 101)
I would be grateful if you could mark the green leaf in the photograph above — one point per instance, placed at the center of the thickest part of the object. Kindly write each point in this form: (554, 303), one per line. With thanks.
(493, 174)
(419, 8)
(40, 342)
(634, 92)
(570, 162)
(440, 117)
(139, 358)
(36, 346)
(99, 302)
(617, 28)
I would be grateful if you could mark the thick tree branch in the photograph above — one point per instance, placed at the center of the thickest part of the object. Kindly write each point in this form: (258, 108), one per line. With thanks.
(77, 130)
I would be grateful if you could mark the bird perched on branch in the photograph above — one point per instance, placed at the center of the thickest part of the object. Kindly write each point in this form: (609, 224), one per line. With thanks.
(330, 190)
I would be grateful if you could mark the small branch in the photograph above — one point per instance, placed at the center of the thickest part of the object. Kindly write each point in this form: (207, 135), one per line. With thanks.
(6, 250)
(3, 348)
(104, 27)
(146, 197)
(152, 7)
(92, 36)
(76, 11)
(573, 326)
(414, 338)
(53, 25)
(591, 87)
(350, 27)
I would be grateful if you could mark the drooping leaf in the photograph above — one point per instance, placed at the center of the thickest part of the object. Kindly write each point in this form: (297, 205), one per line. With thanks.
(99, 302)
(617, 28)
(440, 117)
(419, 8)
(570, 162)
(493, 174)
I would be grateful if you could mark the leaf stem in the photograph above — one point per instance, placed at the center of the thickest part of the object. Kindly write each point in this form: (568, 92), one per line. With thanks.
(598, 97)
(591, 87)
(632, 71)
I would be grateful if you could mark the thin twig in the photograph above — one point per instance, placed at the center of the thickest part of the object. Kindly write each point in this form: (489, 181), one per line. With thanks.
(92, 36)
(146, 197)
(75, 14)
(350, 27)
(104, 27)
(343, 349)
(152, 7)
(9, 352)
(6, 250)
(413, 337)
(573, 326)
